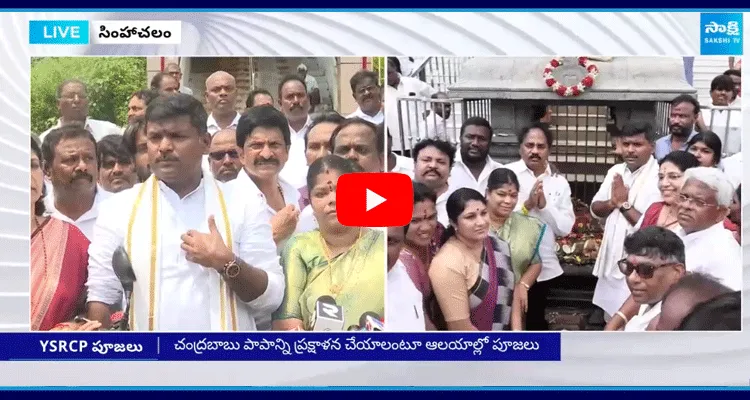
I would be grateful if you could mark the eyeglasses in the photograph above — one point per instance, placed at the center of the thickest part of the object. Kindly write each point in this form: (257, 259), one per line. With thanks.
(698, 202)
(219, 155)
(644, 270)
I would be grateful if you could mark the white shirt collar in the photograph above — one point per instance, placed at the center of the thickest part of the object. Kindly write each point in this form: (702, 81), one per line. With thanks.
(302, 130)
(212, 124)
(92, 213)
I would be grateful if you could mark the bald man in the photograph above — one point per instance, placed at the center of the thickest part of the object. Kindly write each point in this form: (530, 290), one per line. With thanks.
(221, 97)
(682, 298)
(175, 70)
(224, 155)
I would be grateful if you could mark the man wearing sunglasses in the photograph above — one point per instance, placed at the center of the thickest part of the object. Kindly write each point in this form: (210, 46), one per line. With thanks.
(711, 249)
(655, 260)
(224, 155)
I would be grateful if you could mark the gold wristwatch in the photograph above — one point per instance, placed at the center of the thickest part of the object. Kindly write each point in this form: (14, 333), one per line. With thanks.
(231, 269)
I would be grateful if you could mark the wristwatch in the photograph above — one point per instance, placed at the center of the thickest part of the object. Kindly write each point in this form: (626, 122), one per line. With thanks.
(625, 206)
(231, 269)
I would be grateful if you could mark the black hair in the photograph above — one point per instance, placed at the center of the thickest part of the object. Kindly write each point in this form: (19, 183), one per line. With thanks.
(396, 63)
(146, 95)
(738, 192)
(442, 145)
(631, 129)
(113, 146)
(656, 242)
(456, 205)
(250, 102)
(39, 208)
(290, 78)
(331, 117)
(265, 116)
(686, 98)
(500, 177)
(538, 112)
(722, 313)
(477, 121)
(722, 82)
(361, 76)
(711, 140)
(178, 105)
(378, 134)
(683, 160)
(158, 78)
(67, 82)
(733, 72)
(72, 131)
(130, 134)
(422, 193)
(536, 125)
(331, 161)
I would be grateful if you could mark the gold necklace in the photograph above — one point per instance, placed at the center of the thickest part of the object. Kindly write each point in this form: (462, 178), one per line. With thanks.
(335, 289)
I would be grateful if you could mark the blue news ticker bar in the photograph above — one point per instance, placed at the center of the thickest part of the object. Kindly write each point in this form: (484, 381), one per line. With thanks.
(287, 346)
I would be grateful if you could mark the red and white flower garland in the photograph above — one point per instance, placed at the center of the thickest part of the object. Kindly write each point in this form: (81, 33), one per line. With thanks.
(591, 72)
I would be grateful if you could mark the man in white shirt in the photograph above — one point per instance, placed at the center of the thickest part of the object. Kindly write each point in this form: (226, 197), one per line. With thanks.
(436, 121)
(295, 104)
(224, 155)
(398, 163)
(654, 261)
(474, 164)
(736, 76)
(732, 167)
(71, 165)
(626, 193)
(727, 124)
(311, 85)
(73, 104)
(221, 98)
(366, 92)
(175, 70)
(206, 271)
(404, 86)
(544, 194)
(433, 160)
(711, 249)
(405, 306)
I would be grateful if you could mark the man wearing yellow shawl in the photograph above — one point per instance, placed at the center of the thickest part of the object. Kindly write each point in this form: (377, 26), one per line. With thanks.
(196, 269)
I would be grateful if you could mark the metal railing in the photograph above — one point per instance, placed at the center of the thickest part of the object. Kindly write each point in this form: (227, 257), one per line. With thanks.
(439, 72)
(725, 122)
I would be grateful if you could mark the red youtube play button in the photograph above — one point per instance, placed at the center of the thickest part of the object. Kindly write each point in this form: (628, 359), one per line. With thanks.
(374, 199)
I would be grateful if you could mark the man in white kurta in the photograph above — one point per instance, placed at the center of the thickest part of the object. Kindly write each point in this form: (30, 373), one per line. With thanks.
(626, 193)
(709, 247)
(201, 261)
(433, 160)
(294, 102)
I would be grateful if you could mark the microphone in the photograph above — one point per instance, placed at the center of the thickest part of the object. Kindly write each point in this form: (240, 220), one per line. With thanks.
(327, 316)
(371, 322)
(353, 328)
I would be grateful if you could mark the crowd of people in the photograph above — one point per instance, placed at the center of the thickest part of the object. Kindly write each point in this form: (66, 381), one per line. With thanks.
(480, 253)
(219, 219)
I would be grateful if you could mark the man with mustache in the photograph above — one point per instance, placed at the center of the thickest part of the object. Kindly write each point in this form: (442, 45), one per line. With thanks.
(683, 116)
(71, 165)
(116, 167)
(705, 199)
(135, 140)
(627, 191)
(544, 194)
(295, 104)
(474, 164)
(138, 103)
(366, 92)
(433, 160)
(165, 84)
(224, 155)
(73, 104)
(361, 142)
(201, 253)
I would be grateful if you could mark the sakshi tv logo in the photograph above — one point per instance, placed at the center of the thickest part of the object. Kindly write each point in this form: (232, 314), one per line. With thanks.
(721, 34)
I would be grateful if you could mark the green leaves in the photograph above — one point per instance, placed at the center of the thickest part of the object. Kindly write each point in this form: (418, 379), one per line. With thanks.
(110, 81)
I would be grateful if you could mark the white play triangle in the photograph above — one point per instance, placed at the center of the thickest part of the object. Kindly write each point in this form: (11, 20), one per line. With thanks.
(373, 200)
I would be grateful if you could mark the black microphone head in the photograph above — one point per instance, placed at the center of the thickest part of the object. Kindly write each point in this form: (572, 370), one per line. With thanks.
(363, 317)
(326, 299)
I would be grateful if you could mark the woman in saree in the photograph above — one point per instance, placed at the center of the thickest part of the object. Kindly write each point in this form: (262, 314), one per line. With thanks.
(346, 263)
(523, 234)
(59, 262)
(420, 245)
(471, 274)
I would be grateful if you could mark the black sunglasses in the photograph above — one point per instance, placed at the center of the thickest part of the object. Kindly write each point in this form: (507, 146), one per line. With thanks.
(219, 155)
(644, 270)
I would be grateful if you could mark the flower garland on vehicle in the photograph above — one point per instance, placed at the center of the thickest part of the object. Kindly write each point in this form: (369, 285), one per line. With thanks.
(591, 72)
